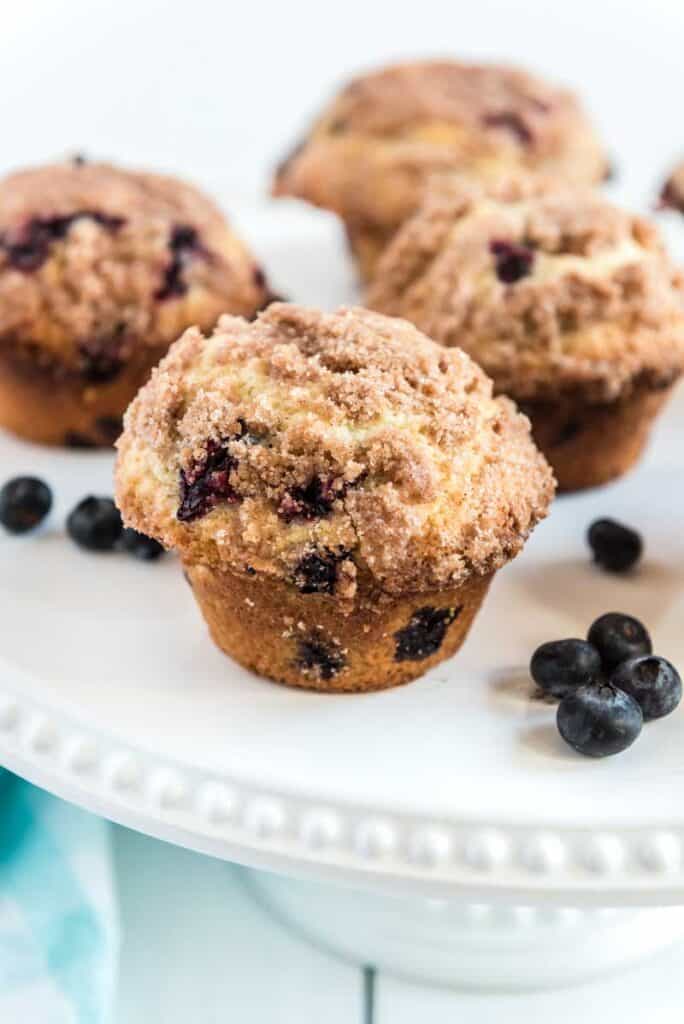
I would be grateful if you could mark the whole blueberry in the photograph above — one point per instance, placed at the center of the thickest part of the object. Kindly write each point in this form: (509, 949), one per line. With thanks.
(653, 682)
(615, 547)
(599, 720)
(95, 524)
(618, 637)
(24, 503)
(559, 666)
(147, 549)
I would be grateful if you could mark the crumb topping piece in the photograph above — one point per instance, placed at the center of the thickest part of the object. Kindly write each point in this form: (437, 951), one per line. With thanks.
(549, 288)
(330, 450)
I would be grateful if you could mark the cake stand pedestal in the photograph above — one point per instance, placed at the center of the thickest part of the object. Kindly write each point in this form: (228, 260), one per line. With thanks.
(490, 947)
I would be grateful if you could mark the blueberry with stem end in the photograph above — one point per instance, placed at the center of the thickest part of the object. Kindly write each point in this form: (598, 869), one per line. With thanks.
(24, 503)
(599, 720)
(618, 637)
(615, 547)
(560, 666)
(653, 682)
(145, 548)
(95, 524)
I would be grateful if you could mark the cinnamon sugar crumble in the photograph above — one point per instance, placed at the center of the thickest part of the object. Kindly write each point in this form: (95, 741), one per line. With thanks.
(427, 478)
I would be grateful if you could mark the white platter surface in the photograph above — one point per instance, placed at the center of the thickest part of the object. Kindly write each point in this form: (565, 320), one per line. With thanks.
(112, 695)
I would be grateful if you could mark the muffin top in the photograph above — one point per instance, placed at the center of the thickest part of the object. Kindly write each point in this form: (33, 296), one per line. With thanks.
(369, 153)
(333, 451)
(96, 262)
(549, 288)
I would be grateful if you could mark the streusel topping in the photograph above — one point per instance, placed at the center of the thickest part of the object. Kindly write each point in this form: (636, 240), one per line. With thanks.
(96, 261)
(326, 449)
(368, 155)
(548, 288)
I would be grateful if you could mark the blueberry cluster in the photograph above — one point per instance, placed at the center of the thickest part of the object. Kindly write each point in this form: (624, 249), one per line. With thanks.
(608, 685)
(93, 524)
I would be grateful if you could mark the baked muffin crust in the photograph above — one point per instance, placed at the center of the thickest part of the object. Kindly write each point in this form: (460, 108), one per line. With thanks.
(551, 289)
(368, 155)
(98, 264)
(335, 452)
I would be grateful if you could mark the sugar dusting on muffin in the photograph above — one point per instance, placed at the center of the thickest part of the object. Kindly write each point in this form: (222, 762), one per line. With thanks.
(326, 448)
(550, 288)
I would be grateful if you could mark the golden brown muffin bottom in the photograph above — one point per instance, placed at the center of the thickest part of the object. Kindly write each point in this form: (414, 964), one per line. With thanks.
(304, 640)
(589, 445)
(44, 405)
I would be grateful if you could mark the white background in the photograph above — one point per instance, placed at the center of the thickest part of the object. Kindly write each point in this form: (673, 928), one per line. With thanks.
(217, 92)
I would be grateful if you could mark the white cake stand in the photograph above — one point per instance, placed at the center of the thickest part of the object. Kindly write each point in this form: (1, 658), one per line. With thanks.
(459, 839)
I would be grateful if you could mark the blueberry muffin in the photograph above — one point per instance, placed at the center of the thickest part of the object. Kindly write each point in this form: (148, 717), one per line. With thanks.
(570, 304)
(340, 490)
(369, 153)
(100, 270)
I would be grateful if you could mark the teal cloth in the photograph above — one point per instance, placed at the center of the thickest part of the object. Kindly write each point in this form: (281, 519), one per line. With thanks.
(59, 931)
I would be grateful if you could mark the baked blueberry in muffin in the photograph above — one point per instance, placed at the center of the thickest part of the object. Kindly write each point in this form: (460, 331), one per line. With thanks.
(340, 490)
(570, 304)
(370, 151)
(100, 270)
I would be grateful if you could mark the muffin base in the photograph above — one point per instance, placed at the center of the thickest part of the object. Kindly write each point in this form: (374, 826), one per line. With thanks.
(305, 640)
(589, 445)
(49, 406)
